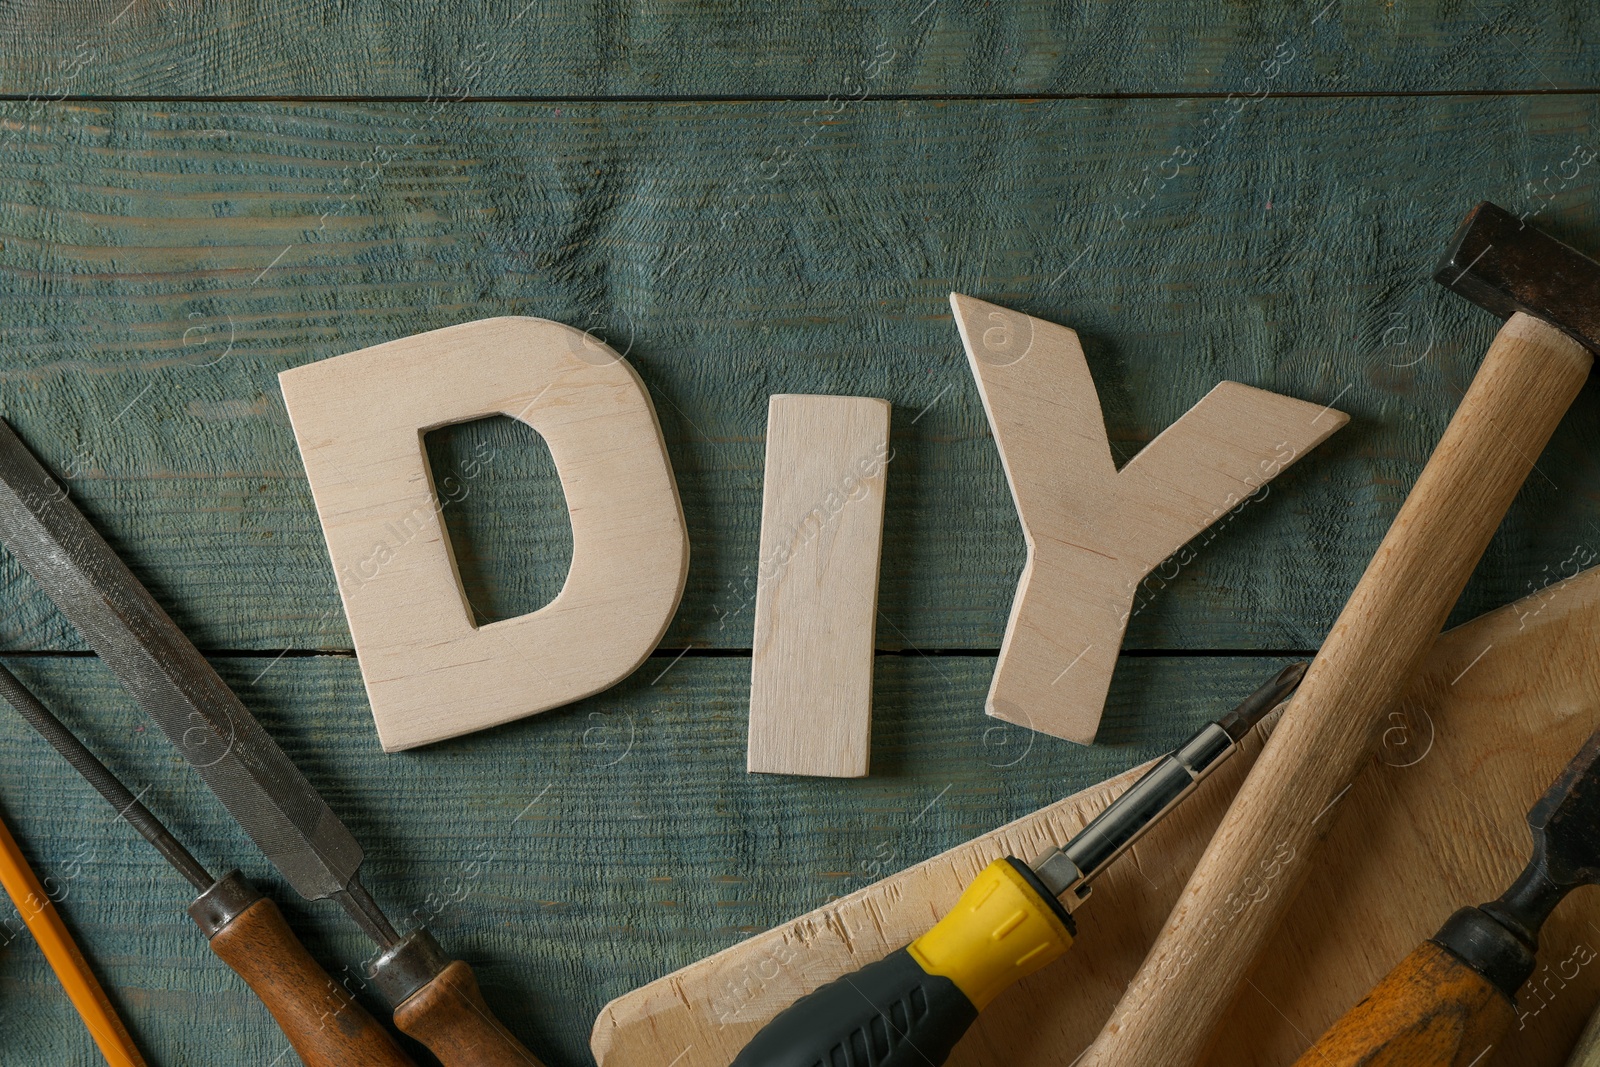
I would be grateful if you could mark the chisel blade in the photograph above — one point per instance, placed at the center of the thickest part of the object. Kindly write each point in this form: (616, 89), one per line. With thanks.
(1566, 821)
(168, 677)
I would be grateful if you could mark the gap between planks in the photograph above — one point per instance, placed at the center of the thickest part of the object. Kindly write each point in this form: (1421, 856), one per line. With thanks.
(797, 98)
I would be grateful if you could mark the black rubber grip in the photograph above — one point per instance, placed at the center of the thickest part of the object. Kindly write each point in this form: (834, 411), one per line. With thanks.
(890, 1013)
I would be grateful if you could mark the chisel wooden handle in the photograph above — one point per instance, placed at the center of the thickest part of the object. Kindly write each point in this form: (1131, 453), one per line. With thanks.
(1431, 1011)
(436, 1000)
(450, 1017)
(322, 1021)
(1260, 854)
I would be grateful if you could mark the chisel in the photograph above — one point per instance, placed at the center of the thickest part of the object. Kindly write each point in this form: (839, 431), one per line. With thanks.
(436, 1000)
(322, 1021)
(1454, 998)
(911, 1007)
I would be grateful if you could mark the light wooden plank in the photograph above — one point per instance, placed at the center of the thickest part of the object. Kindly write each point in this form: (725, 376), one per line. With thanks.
(568, 857)
(1529, 378)
(431, 670)
(817, 586)
(1094, 532)
(1437, 822)
(163, 263)
(482, 48)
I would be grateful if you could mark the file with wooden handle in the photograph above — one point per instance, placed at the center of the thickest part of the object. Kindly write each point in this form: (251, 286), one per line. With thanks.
(450, 1017)
(319, 1016)
(261, 788)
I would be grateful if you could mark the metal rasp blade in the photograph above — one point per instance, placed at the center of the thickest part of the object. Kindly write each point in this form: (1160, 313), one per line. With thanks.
(286, 818)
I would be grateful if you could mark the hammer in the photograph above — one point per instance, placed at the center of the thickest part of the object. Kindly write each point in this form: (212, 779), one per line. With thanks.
(1257, 860)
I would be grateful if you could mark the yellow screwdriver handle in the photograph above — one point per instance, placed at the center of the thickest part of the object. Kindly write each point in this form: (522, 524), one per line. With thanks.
(911, 1007)
(1000, 931)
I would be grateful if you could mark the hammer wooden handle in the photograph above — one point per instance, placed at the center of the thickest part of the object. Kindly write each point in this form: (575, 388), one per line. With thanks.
(322, 1021)
(1255, 863)
(1431, 1011)
(450, 1017)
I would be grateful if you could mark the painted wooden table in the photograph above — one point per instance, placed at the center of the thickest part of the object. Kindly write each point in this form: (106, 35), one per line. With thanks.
(745, 200)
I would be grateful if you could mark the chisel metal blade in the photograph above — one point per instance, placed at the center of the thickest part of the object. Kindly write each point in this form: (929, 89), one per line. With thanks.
(167, 676)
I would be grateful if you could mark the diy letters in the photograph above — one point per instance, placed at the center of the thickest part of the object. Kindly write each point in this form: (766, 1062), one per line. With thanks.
(1094, 532)
(817, 588)
(430, 672)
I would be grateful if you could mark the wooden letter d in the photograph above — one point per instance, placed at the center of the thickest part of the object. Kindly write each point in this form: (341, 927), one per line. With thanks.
(431, 673)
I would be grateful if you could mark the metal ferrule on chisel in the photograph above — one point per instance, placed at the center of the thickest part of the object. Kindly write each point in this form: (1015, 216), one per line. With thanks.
(1068, 871)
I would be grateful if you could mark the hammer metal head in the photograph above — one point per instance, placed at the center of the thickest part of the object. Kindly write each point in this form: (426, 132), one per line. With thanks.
(1507, 265)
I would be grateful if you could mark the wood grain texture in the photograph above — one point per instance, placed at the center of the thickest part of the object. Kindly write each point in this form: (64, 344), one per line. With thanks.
(1529, 378)
(481, 48)
(1437, 819)
(1432, 1010)
(432, 671)
(163, 262)
(36, 911)
(1587, 1051)
(817, 585)
(567, 858)
(1094, 533)
(449, 1016)
(318, 1016)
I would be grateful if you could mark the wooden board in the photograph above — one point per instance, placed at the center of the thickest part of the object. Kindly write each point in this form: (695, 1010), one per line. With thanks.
(817, 585)
(1436, 822)
(164, 262)
(1095, 532)
(432, 671)
(486, 49)
(569, 857)
(1587, 1052)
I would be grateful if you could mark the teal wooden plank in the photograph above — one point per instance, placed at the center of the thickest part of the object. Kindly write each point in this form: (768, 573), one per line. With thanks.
(485, 49)
(162, 263)
(568, 858)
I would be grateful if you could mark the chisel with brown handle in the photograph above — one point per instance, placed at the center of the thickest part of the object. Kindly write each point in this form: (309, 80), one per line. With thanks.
(1451, 1001)
(436, 1000)
(322, 1021)
(1532, 373)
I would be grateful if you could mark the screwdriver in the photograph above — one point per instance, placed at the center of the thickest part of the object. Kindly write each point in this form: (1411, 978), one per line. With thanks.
(322, 1021)
(911, 1007)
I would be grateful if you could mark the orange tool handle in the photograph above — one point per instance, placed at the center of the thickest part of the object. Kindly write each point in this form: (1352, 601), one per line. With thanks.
(44, 922)
(1431, 1011)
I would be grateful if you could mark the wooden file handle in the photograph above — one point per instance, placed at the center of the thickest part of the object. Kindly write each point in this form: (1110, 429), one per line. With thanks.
(318, 1015)
(1260, 854)
(1431, 1011)
(450, 1017)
